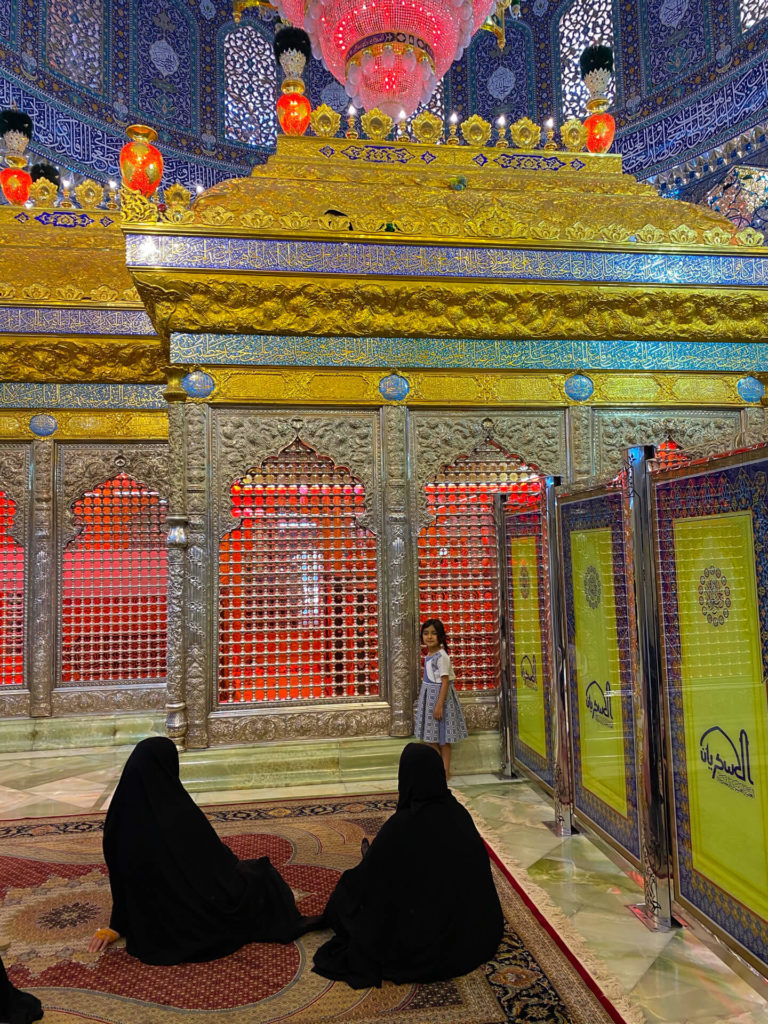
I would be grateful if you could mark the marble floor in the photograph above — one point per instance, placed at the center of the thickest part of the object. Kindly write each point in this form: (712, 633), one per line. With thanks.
(673, 978)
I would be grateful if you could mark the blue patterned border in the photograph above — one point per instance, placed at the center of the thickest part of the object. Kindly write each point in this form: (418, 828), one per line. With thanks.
(524, 354)
(594, 513)
(531, 524)
(82, 396)
(53, 320)
(360, 259)
(713, 493)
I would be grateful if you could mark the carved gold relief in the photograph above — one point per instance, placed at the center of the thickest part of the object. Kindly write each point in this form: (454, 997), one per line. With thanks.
(484, 309)
(81, 358)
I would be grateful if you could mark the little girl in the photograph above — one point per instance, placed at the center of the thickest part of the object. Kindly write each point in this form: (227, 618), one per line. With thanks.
(439, 719)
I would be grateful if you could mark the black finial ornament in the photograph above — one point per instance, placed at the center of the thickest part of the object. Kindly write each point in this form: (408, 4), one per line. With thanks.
(13, 120)
(48, 171)
(598, 57)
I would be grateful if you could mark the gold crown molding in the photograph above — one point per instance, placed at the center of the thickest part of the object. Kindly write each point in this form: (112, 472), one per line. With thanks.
(483, 309)
(411, 192)
(62, 358)
(332, 386)
(88, 424)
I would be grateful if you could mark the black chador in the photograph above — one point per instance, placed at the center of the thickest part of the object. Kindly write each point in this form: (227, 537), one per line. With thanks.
(421, 906)
(178, 892)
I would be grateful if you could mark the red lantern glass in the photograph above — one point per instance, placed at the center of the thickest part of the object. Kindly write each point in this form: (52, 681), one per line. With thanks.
(600, 131)
(141, 163)
(15, 183)
(293, 110)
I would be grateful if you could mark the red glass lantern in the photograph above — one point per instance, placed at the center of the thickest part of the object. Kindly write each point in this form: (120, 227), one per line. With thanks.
(293, 110)
(141, 163)
(15, 183)
(601, 128)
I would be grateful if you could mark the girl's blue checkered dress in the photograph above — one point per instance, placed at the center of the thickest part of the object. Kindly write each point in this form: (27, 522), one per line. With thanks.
(452, 727)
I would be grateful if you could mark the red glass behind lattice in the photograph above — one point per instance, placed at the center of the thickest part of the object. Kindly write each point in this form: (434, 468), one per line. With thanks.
(669, 455)
(298, 607)
(11, 599)
(458, 560)
(114, 608)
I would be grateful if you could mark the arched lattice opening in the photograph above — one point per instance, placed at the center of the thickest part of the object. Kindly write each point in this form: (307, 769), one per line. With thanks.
(74, 40)
(752, 12)
(583, 23)
(114, 586)
(250, 74)
(11, 598)
(298, 603)
(458, 558)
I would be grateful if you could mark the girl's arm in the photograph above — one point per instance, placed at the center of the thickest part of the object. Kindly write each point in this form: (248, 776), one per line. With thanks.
(438, 712)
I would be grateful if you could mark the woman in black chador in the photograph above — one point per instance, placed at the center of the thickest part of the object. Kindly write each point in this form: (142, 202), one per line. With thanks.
(17, 1007)
(179, 893)
(421, 906)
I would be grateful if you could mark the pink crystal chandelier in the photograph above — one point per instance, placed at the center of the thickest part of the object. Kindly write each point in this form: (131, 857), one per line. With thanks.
(389, 54)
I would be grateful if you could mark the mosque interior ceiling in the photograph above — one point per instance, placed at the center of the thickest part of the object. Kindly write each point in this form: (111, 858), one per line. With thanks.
(691, 76)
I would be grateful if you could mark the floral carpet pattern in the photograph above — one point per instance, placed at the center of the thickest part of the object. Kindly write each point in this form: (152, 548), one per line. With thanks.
(55, 892)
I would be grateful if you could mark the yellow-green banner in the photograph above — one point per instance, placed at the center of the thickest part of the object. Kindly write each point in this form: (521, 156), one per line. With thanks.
(601, 725)
(529, 669)
(724, 704)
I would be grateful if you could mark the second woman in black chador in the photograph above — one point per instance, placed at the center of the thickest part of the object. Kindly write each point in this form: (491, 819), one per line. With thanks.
(422, 905)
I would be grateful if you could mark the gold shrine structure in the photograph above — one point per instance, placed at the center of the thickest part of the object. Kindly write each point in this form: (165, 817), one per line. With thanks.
(388, 316)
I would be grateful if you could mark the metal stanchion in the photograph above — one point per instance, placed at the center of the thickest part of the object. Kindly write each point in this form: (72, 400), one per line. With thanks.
(654, 809)
(562, 784)
(505, 695)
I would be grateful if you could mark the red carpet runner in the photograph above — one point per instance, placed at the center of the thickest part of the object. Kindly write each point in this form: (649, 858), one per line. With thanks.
(55, 893)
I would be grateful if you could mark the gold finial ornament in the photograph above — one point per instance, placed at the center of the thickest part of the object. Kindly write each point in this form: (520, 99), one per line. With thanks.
(573, 135)
(177, 200)
(427, 128)
(325, 121)
(475, 130)
(43, 193)
(89, 194)
(376, 124)
(525, 134)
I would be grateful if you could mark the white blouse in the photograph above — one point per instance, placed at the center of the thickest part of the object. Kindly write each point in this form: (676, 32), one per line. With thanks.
(439, 666)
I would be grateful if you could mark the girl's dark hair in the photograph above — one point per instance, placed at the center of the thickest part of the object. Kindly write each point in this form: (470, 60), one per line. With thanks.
(439, 628)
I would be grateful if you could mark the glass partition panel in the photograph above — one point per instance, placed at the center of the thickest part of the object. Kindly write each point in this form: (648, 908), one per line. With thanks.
(529, 649)
(600, 636)
(712, 562)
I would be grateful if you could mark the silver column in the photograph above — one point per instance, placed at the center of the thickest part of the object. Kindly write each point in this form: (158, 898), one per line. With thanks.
(562, 782)
(505, 690)
(43, 578)
(654, 808)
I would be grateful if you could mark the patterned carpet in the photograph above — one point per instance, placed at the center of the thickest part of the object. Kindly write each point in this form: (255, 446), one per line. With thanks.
(55, 893)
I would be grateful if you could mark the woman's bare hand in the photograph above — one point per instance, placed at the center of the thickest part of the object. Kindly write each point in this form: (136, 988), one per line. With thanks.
(102, 938)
